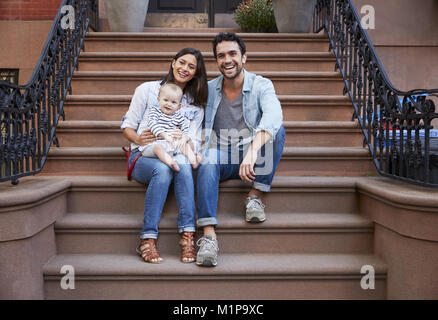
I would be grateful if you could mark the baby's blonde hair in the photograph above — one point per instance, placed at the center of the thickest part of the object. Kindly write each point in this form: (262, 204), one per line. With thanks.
(172, 87)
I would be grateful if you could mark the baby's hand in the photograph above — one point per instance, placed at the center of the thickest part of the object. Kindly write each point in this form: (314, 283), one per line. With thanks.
(177, 134)
(169, 139)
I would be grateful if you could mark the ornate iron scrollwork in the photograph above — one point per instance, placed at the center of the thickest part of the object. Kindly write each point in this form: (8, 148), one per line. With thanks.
(29, 113)
(396, 124)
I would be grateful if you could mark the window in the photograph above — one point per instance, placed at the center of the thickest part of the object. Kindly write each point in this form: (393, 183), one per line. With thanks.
(10, 75)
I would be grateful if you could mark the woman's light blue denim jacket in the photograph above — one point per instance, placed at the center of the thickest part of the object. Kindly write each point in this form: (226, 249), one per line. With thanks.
(261, 107)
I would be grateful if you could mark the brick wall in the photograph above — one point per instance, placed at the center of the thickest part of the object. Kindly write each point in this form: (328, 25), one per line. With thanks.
(28, 9)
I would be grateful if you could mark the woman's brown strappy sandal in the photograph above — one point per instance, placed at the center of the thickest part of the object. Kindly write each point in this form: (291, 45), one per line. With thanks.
(148, 251)
(187, 243)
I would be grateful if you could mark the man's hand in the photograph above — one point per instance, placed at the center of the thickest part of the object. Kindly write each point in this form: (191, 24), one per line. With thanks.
(145, 138)
(246, 170)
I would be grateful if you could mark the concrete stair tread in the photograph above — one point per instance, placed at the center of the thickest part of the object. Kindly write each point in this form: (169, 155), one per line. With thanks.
(281, 221)
(182, 35)
(125, 59)
(397, 191)
(88, 124)
(298, 98)
(300, 107)
(279, 181)
(287, 152)
(229, 266)
(99, 97)
(169, 55)
(172, 41)
(210, 74)
(170, 29)
(103, 124)
(321, 124)
(285, 82)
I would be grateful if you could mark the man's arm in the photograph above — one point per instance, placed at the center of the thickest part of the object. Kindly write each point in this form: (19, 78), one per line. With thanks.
(272, 115)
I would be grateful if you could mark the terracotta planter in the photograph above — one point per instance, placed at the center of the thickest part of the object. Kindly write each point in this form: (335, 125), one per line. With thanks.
(293, 16)
(126, 15)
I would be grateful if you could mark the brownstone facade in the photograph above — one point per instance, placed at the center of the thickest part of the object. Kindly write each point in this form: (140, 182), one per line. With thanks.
(28, 9)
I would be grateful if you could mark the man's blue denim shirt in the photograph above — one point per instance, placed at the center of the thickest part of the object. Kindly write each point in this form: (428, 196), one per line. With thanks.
(261, 107)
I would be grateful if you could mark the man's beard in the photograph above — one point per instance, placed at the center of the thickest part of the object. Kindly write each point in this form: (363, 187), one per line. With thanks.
(239, 69)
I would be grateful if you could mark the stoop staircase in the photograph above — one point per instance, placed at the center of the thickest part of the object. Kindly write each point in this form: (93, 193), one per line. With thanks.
(314, 242)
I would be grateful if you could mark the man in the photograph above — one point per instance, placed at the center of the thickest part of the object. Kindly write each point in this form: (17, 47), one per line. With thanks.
(243, 121)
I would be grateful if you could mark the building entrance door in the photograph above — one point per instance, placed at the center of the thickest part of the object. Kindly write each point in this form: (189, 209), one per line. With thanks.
(211, 7)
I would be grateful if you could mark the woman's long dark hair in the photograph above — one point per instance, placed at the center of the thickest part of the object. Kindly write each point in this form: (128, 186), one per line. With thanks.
(197, 87)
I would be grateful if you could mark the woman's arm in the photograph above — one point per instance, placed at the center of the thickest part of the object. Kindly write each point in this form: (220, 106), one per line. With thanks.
(132, 119)
(143, 139)
(195, 128)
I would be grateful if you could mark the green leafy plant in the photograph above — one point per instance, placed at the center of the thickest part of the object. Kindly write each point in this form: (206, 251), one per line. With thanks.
(255, 16)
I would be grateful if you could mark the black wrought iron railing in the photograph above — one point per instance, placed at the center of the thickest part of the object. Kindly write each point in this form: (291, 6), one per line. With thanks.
(29, 113)
(397, 125)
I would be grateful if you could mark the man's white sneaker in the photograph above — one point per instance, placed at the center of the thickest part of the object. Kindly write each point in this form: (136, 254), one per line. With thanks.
(255, 209)
(207, 253)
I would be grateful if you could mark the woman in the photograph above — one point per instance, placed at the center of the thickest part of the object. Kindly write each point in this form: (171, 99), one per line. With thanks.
(187, 70)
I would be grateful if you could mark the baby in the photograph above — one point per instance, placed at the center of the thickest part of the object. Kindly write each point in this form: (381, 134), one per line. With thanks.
(162, 120)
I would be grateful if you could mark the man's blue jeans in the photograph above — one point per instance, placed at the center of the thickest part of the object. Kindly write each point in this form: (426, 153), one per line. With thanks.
(219, 165)
(159, 176)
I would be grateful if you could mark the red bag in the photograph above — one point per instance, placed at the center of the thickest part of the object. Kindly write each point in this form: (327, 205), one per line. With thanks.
(130, 168)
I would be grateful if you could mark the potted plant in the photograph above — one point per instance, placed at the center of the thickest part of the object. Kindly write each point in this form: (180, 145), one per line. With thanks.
(255, 16)
(126, 15)
(293, 16)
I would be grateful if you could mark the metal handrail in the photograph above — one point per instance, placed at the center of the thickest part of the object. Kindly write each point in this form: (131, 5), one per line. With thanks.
(396, 124)
(29, 113)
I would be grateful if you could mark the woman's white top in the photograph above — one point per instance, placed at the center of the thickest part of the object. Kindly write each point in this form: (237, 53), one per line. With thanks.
(146, 95)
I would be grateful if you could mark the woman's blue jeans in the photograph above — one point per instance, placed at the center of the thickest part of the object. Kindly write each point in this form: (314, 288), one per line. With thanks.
(222, 164)
(159, 176)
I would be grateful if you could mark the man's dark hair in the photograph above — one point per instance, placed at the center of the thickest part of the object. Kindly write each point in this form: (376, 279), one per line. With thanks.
(228, 36)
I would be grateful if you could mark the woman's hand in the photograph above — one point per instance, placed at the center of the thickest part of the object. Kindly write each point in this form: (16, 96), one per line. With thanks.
(181, 143)
(145, 138)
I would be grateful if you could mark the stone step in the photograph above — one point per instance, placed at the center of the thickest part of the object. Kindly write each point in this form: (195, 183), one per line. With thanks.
(237, 276)
(295, 107)
(323, 134)
(175, 41)
(287, 232)
(298, 134)
(125, 82)
(296, 161)
(160, 61)
(196, 30)
(115, 195)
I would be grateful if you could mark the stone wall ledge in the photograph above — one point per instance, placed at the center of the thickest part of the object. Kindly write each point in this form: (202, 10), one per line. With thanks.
(409, 210)
(31, 206)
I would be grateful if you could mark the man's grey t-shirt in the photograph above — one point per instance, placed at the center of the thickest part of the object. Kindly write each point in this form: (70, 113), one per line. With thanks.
(229, 124)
